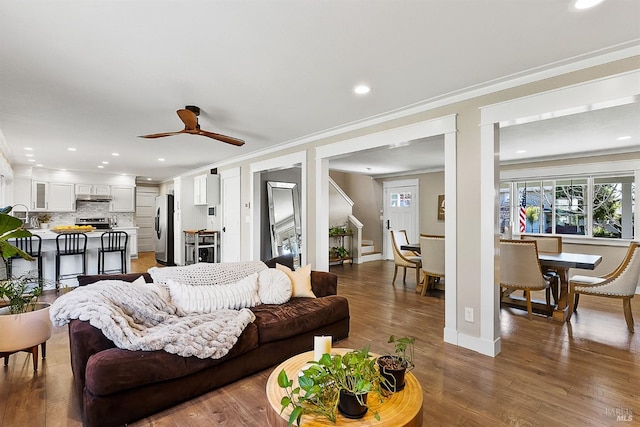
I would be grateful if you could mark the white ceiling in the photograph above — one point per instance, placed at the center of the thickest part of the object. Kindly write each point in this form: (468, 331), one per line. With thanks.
(93, 75)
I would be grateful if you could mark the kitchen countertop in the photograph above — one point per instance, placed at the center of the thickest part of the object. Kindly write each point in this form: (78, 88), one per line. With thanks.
(47, 234)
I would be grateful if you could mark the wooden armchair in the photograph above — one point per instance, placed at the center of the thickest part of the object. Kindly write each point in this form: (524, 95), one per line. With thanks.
(404, 259)
(520, 269)
(621, 283)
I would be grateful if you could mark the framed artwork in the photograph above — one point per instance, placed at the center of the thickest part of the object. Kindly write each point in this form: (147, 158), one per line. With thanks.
(441, 207)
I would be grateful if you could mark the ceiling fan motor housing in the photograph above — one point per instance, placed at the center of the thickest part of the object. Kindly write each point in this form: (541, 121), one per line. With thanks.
(195, 110)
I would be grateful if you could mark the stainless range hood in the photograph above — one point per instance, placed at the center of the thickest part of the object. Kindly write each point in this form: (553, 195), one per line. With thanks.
(92, 198)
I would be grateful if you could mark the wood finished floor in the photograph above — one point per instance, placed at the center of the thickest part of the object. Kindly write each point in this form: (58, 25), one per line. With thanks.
(548, 374)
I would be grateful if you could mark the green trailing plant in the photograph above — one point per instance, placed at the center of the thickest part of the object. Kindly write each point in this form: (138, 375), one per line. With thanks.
(18, 293)
(337, 230)
(320, 384)
(339, 252)
(44, 218)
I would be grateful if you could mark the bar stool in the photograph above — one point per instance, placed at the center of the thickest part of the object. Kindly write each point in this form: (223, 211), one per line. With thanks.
(31, 245)
(70, 244)
(113, 241)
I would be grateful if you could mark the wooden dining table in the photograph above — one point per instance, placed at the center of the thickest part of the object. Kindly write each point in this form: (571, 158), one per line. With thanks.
(561, 262)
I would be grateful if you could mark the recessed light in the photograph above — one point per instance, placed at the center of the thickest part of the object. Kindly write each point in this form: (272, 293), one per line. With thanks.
(28, 148)
(31, 160)
(100, 167)
(362, 89)
(521, 151)
(29, 155)
(71, 149)
(586, 4)
(115, 154)
(161, 159)
(623, 138)
(148, 179)
(105, 163)
(39, 165)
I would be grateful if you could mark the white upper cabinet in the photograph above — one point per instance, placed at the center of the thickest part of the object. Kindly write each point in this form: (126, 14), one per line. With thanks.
(97, 189)
(62, 197)
(123, 198)
(39, 195)
(200, 190)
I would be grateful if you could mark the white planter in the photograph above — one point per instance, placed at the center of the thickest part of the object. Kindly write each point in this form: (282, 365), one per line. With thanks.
(44, 225)
(25, 330)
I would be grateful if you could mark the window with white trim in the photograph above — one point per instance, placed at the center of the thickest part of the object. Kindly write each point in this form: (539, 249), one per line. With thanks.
(593, 206)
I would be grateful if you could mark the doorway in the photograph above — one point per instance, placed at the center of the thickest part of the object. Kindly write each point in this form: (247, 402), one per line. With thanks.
(400, 211)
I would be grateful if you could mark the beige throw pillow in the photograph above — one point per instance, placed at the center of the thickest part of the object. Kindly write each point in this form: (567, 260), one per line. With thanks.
(300, 280)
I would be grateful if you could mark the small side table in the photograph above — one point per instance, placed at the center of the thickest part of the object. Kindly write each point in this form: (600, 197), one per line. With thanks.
(194, 240)
(403, 408)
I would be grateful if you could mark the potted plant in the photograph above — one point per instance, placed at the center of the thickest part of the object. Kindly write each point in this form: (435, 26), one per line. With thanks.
(24, 323)
(334, 383)
(393, 367)
(339, 252)
(44, 219)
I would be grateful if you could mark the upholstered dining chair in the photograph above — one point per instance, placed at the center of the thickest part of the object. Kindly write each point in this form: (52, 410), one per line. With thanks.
(621, 283)
(547, 245)
(520, 269)
(432, 254)
(404, 259)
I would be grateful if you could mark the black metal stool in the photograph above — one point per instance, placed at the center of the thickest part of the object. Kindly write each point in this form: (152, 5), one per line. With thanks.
(31, 245)
(70, 244)
(113, 241)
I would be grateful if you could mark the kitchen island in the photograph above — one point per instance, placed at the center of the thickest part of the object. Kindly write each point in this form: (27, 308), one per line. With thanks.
(73, 264)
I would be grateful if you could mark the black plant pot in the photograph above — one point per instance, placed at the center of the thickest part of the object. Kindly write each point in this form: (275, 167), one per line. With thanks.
(393, 375)
(349, 406)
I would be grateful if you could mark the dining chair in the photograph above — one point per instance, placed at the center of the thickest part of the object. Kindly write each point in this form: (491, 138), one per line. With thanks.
(520, 270)
(70, 244)
(621, 283)
(547, 245)
(432, 254)
(404, 259)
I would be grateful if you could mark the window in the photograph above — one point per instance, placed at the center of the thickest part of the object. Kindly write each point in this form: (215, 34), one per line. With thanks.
(599, 206)
(400, 200)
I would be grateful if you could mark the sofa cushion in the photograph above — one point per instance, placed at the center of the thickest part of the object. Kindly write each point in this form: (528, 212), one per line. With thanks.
(114, 370)
(128, 277)
(209, 298)
(205, 273)
(299, 315)
(300, 280)
(274, 286)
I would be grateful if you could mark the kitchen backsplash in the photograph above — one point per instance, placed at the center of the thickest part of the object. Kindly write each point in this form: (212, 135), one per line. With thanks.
(89, 210)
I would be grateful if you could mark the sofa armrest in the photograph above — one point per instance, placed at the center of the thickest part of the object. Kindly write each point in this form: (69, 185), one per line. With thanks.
(128, 277)
(324, 283)
(84, 341)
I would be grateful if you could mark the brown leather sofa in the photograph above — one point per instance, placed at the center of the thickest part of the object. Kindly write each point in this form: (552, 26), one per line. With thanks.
(117, 386)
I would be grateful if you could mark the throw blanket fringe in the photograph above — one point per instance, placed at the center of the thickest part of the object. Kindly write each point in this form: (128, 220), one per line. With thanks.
(135, 317)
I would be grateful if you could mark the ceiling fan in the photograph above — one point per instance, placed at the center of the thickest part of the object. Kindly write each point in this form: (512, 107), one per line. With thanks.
(189, 116)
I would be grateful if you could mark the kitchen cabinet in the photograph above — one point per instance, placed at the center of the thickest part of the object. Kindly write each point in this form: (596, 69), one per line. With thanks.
(200, 190)
(206, 190)
(133, 239)
(62, 197)
(123, 198)
(22, 192)
(97, 189)
(39, 196)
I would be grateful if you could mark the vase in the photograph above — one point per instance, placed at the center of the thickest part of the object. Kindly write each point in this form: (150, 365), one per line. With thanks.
(350, 407)
(393, 375)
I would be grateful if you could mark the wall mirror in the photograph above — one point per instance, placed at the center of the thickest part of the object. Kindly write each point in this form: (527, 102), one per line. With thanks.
(284, 219)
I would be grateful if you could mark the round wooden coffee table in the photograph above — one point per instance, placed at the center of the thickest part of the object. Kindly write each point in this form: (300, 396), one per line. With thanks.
(403, 408)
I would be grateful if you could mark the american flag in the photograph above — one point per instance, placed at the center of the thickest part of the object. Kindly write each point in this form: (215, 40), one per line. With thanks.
(523, 210)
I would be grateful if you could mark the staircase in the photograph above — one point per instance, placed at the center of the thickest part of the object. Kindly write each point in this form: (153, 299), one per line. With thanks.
(368, 252)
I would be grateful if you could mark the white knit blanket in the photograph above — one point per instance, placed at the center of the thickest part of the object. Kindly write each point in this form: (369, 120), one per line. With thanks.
(136, 317)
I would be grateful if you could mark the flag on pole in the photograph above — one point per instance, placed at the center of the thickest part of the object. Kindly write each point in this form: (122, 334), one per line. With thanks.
(523, 210)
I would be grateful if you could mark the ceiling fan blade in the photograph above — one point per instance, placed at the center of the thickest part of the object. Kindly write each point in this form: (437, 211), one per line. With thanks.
(189, 119)
(223, 138)
(160, 135)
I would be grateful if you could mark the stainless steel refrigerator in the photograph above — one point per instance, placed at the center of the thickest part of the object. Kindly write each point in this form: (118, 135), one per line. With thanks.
(164, 229)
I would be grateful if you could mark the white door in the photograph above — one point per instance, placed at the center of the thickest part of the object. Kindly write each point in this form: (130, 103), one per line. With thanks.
(230, 237)
(400, 211)
(145, 214)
